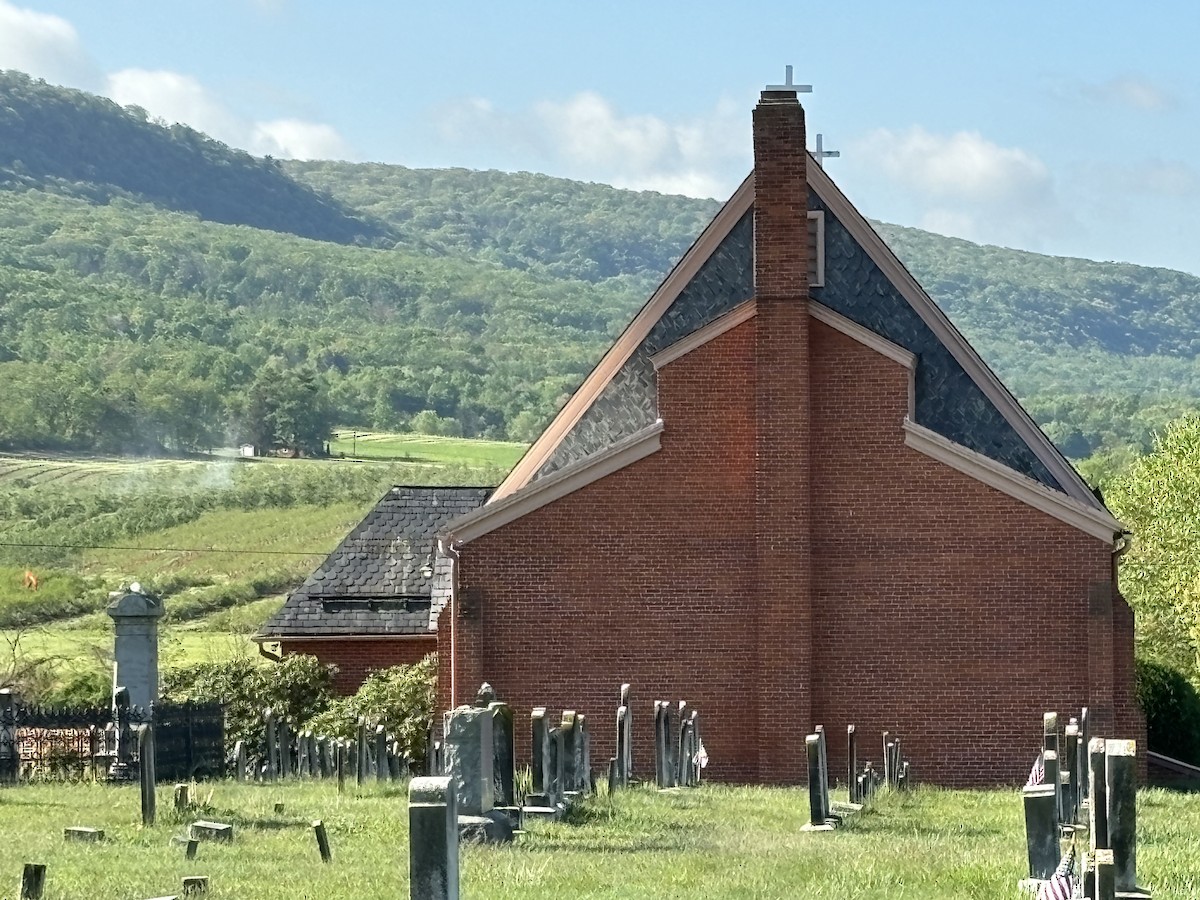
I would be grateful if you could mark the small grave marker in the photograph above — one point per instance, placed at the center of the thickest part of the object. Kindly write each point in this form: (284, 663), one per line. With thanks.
(212, 831)
(322, 840)
(33, 881)
(195, 884)
(432, 839)
(192, 846)
(83, 834)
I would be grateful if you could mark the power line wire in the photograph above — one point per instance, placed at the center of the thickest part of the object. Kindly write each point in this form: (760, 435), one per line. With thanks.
(164, 549)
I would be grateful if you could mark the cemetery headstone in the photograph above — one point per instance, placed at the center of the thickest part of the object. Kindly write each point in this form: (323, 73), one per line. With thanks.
(239, 755)
(625, 738)
(33, 881)
(432, 839)
(322, 841)
(83, 834)
(583, 754)
(1069, 764)
(469, 759)
(272, 744)
(1050, 731)
(1106, 876)
(540, 744)
(193, 844)
(1121, 787)
(195, 884)
(361, 763)
(220, 832)
(818, 815)
(1097, 795)
(1052, 779)
(570, 739)
(852, 782)
(135, 618)
(145, 739)
(503, 758)
(1041, 830)
(285, 749)
(382, 769)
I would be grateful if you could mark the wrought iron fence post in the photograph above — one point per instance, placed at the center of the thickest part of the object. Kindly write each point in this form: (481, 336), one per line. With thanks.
(9, 755)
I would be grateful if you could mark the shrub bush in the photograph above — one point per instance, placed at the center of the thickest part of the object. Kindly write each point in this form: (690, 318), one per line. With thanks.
(400, 698)
(297, 689)
(1172, 708)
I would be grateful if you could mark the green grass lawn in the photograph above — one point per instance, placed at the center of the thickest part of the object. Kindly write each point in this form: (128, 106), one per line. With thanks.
(711, 842)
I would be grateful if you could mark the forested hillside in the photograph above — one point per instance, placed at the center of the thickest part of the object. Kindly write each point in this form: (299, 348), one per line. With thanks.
(159, 290)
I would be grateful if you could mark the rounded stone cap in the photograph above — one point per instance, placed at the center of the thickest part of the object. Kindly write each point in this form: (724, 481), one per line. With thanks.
(135, 604)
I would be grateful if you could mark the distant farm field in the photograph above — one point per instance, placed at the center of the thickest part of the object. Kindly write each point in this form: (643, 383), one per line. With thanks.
(221, 539)
(423, 448)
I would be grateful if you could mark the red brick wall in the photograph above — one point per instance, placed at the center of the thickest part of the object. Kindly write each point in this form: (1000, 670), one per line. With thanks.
(646, 576)
(943, 611)
(358, 659)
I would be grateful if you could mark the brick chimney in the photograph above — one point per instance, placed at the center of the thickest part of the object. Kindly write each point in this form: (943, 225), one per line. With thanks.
(783, 469)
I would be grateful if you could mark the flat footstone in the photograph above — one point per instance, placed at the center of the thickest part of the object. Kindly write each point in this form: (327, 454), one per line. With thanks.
(212, 831)
(484, 830)
(79, 833)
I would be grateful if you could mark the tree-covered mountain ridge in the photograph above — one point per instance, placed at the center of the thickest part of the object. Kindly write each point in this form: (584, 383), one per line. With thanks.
(159, 289)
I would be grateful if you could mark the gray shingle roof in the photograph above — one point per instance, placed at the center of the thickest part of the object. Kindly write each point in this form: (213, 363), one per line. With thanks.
(379, 580)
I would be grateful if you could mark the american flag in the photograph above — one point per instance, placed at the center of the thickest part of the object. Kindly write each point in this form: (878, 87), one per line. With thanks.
(1061, 885)
(1037, 775)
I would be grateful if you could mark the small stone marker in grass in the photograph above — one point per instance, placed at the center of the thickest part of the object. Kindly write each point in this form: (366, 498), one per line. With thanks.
(183, 797)
(83, 834)
(279, 808)
(193, 845)
(212, 831)
(33, 881)
(195, 884)
(322, 840)
(817, 812)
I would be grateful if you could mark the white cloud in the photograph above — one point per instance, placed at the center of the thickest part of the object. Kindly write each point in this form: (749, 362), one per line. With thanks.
(45, 46)
(181, 98)
(1131, 91)
(49, 47)
(297, 139)
(968, 186)
(176, 98)
(586, 137)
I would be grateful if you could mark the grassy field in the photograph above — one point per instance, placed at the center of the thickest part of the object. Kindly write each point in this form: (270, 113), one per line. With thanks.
(425, 448)
(714, 842)
(222, 540)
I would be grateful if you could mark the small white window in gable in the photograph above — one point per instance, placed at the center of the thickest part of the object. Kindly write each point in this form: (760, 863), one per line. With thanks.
(816, 241)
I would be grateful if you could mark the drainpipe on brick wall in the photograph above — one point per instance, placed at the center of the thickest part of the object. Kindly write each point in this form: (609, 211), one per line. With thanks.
(449, 547)
(1121, 544)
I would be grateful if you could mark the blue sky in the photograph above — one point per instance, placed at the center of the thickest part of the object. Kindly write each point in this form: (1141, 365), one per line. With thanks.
(1065, 127)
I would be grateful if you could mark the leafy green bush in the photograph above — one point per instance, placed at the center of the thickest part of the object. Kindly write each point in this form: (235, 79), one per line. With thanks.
(87, 688)
(1172, 708)
(297, 689)
(400, 698)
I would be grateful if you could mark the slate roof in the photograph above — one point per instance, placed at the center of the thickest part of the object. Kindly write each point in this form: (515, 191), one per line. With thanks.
(380, 579)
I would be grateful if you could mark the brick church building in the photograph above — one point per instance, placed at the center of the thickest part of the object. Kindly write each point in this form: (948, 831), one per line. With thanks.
(791, 494)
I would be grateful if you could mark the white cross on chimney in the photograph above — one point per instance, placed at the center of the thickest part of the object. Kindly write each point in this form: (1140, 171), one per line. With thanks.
(821, 154)
(788, 86)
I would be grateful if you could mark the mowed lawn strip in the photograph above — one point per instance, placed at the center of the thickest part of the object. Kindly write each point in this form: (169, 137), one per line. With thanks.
(711, 842)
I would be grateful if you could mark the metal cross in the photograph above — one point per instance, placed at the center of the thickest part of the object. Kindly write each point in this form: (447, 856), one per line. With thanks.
(821, 154)
(788, 86)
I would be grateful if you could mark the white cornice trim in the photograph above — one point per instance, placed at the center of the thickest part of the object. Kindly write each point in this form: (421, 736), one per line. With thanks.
(1095, 522)
(865, 336)
(687, 267)
(950, 337)
(701, 336)
(556, 485)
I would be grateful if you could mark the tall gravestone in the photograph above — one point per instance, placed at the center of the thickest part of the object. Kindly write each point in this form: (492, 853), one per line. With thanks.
(1121, 785)
(432, 839)
(468, 759)
(540, 744)
(503, 762)
(625, 739)
(135, 618)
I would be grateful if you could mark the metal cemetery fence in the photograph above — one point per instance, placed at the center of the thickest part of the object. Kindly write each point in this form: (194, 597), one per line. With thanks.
(39, 743)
